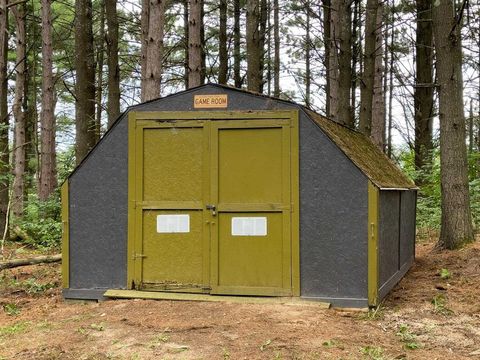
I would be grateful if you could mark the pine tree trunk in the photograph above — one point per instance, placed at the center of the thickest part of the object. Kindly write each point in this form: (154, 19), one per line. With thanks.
(307, 55)
(18, 112)
(276, 45)
(261, 41)
(195, 43)
(31, 118)
(85, 80)
(203, 72)
(378, 101)
(4, 118)
(222, 44)
(456, 228)
(254, 79)
(326, 5)
(144, 19)
(48, 172)
(154, 50)
(390, 83)
(236, 44)
(113, 107)
(355, 59)
(470, 129)
(185, 40)
(99, 66)
(367, 83)
(333, 65)
(343, 113)
(423, 92)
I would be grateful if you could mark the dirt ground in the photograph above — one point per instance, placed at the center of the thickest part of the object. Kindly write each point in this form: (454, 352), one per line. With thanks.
(431, 314)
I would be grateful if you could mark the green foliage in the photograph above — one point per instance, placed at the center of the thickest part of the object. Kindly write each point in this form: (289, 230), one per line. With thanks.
(329, 343)
(11, 309)
(439, 303)
(408, 338)
(31, 286)
(429, 196)
(373, 313)
(372, 352)
(13, 329)
(445, 274)
(41, 225)
(41, 222)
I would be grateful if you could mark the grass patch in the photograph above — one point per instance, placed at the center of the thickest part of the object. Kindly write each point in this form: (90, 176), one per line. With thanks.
(408, 338)
(373, 314)
(16, 328)
(439, 303)
(372, 352)
(444, 274)
(31, 286)
(11, 309)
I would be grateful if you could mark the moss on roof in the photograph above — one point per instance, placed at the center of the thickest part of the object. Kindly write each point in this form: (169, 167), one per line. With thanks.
(381, 170)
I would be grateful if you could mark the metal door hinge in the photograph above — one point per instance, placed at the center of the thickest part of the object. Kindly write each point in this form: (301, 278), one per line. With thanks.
(138, 256)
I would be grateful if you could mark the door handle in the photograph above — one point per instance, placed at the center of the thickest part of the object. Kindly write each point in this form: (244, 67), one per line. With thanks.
(213, 208)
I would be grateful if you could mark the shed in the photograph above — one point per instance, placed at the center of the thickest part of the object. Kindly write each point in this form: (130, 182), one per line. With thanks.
(215, 190)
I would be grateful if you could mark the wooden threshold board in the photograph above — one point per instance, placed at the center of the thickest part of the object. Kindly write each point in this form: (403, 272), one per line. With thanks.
(156, 295)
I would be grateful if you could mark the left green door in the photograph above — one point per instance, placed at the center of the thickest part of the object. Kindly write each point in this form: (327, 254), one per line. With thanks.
(170, 179)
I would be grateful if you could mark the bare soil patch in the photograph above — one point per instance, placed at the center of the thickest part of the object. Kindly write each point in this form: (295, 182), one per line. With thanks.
(427, 316)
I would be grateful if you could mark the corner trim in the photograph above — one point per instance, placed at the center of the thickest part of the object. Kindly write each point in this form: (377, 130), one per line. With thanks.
(372, 231)
(65, 236)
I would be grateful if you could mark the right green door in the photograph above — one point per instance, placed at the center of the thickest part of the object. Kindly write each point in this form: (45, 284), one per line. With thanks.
(251, 207)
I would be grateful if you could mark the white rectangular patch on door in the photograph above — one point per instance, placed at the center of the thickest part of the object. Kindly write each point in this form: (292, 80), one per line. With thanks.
(173, 223)
(249, 226)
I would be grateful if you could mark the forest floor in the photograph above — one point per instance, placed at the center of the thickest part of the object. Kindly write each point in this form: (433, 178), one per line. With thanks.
(431, 314)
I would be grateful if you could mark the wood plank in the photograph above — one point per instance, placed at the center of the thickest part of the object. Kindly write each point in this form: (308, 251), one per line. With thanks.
(154, 295)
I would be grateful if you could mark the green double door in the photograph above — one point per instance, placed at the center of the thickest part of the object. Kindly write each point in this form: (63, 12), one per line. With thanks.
(212, 206)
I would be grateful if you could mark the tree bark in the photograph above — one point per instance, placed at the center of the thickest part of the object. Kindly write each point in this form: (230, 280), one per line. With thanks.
(222, 44)
(18, 112)
(355, 59)
(307, 55)
(45, 259)
(4, 118)
(85, 80)
(343, 41)
(378, 105)
(262, 28)
(254, 78)
(144, 19)
(456, 228)
(203, 72)
(367, 83)
(333, 71)
(327, 12)
(185, 45)
(113, 107)
(48, 170)
(423, 92)
(31, 111)
(236, 44)
(99, 66)
(276, 46)
(154, 50)
(390, 85)
(470, 128)
(195, 43)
